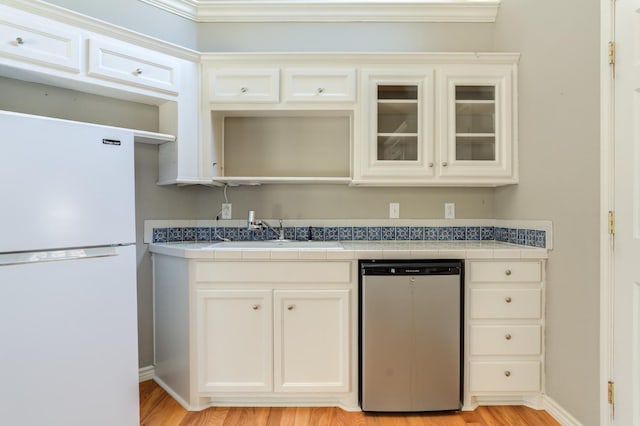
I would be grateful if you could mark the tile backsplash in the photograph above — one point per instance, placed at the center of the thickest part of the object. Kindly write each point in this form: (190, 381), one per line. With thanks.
(529, 233)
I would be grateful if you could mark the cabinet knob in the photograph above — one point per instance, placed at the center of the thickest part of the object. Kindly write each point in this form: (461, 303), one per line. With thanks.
(320, 89)
(507, 373)
(255, 307)
(138, 71)
(244, 89)
(19, 40)
(507, 336)
(444, 164)
(507, 272)
(507, 299)
(430, 164)
(291, 307)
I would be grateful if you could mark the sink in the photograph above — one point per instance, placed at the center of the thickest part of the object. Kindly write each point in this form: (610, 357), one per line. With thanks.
(277, 244)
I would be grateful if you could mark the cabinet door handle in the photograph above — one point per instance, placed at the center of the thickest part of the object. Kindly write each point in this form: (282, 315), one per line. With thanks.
(291, 307)
(507, 336)
(255, 307)
(244, 89)
(444, 164)
(507, 299)
(507, 272)
(430, 164)
(19, 40)
(507, 373)
(138, 71)
(320, 90)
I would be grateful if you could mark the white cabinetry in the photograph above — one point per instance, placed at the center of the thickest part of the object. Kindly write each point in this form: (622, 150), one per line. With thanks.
(133, 66)
(244, 85)
(319, 85)
(505, 320)
(234, 332)
(260, 332)
(438, 124)
(40, 41)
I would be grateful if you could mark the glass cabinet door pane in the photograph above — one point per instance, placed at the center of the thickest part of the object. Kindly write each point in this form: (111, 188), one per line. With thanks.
(397, 123)
(475, 123)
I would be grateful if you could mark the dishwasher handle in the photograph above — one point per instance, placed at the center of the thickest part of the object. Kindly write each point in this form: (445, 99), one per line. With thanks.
(410, 270)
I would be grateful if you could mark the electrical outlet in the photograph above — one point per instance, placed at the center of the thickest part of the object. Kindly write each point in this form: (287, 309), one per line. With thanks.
(449, 210)
(226, 211)
(394, 210)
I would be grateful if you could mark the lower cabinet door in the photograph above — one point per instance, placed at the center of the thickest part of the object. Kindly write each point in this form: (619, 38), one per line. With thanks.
(311, 341)
(234, 335)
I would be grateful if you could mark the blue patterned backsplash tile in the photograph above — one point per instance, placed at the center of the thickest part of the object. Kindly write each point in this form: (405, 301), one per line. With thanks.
(523, 237)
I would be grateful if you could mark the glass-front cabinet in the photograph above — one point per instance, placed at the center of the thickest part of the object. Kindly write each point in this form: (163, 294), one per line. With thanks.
(398, 127)
(478, 137)
(444, 125)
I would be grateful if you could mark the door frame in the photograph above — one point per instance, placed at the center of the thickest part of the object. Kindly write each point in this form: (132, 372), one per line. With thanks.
(607, 186)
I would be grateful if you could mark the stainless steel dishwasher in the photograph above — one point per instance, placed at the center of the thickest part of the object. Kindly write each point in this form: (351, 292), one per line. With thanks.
(411, 335)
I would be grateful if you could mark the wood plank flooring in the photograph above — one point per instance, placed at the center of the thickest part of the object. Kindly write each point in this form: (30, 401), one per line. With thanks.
(157, 408)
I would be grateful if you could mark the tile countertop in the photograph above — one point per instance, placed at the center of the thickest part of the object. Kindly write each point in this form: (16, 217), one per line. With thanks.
(350, 250)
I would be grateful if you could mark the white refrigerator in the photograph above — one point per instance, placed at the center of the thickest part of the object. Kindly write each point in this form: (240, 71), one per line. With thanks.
(68, 323)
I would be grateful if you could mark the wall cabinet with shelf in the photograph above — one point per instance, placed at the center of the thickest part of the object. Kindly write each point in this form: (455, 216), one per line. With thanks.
(60, 48)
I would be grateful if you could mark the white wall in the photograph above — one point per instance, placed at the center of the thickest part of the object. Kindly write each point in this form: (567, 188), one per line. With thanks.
(559, 158)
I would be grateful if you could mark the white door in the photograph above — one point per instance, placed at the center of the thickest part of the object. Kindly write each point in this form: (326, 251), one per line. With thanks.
(626, 247)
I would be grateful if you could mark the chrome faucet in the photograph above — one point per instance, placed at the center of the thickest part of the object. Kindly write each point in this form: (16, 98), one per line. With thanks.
(254, 225)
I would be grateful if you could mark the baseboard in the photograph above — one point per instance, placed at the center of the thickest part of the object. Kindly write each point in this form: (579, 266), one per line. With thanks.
(146, 373)
(561, 415)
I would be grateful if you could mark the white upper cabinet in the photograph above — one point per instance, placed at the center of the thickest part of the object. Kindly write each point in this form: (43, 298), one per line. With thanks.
(319, 85)
(478, 137)
(397, 136)
(244, 85)
(133, 66)
(39, 41)
(438, 125)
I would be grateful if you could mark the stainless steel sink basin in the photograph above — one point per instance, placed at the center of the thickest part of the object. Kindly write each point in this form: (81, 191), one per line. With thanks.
(278, 244)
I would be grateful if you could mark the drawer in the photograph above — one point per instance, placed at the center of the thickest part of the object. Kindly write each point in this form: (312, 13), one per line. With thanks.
(505, 340)
(39, 41)
(273, 272)
(504, 376)
(244, 85)
(320, 85)
(505, 303)
(133, 66)
(506, 272)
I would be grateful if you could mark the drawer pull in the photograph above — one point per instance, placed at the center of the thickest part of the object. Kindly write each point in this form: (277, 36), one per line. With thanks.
(507, 373)
(507, 299)
(138, 71)
(320, 90)
(507, 272)
(244, 89)
(291, 307)
(19, 40)
(507, 336)
(255, 307)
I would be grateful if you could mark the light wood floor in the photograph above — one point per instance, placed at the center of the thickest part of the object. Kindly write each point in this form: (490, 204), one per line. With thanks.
(157, 408)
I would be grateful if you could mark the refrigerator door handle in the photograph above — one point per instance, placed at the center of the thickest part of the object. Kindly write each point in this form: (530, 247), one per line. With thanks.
(56, 255)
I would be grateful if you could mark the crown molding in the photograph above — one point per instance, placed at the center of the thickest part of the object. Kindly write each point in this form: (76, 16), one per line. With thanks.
(332, 10)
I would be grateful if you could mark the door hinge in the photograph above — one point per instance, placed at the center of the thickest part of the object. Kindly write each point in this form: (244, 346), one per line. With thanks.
(612, 222)
(612, 53)
(610, 395)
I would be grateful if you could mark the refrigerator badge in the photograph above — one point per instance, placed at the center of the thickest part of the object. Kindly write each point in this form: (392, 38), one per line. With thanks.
(111, 142)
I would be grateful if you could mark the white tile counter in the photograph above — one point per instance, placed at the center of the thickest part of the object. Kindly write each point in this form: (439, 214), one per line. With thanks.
(347, 250)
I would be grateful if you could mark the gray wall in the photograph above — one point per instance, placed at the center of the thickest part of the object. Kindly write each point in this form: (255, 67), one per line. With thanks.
(559, 157)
